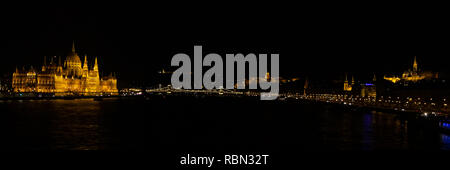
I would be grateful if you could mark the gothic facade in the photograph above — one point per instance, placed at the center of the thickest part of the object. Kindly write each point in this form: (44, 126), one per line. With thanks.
(70, 78)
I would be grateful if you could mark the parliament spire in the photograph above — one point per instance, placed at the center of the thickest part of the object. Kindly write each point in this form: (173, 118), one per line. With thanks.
(73, 46)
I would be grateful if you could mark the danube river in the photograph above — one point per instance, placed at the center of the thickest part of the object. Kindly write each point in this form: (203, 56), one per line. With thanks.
(193, 124)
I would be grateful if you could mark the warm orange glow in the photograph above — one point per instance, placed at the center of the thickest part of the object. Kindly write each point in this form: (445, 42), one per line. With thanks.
(392, 79)
(347, 86)
(411, 75)
(72, 79)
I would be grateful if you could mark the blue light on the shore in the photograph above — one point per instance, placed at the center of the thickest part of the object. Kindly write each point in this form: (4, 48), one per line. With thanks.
(369, 84)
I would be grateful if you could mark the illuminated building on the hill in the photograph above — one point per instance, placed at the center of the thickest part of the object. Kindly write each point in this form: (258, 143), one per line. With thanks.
(413, 75)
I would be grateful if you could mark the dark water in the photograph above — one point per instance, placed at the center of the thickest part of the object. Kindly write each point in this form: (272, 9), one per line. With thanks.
(188, 124)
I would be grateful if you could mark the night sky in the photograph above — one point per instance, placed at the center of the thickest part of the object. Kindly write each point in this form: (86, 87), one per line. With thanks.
(136, 42)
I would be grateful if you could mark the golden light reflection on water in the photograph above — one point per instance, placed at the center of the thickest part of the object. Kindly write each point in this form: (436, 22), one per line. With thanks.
(87, 124)
(66, 124)
(76, 126)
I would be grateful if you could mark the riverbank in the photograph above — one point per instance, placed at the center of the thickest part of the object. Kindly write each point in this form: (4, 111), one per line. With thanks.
(55, 97)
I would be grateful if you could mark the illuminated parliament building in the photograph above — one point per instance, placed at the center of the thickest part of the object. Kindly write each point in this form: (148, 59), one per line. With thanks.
(72, 78)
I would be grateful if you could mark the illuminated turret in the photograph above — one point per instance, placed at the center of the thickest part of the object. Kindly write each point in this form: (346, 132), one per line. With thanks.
(96, 65)
(85, 67)
(345, 83)
(73, 47)
(45, 63)
(95, 69)
(415, 64)
(348, 87)
(59, 68)
(305, 86)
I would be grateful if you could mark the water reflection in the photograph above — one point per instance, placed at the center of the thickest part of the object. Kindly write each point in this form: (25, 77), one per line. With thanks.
(388, 131)
(367, 140)
(445, 139)
(445, 142)
(362, 130)
(77, 125)
(57, 124)
(86, 124)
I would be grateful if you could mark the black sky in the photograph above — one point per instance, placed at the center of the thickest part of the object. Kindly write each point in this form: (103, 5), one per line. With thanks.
(136, 41)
